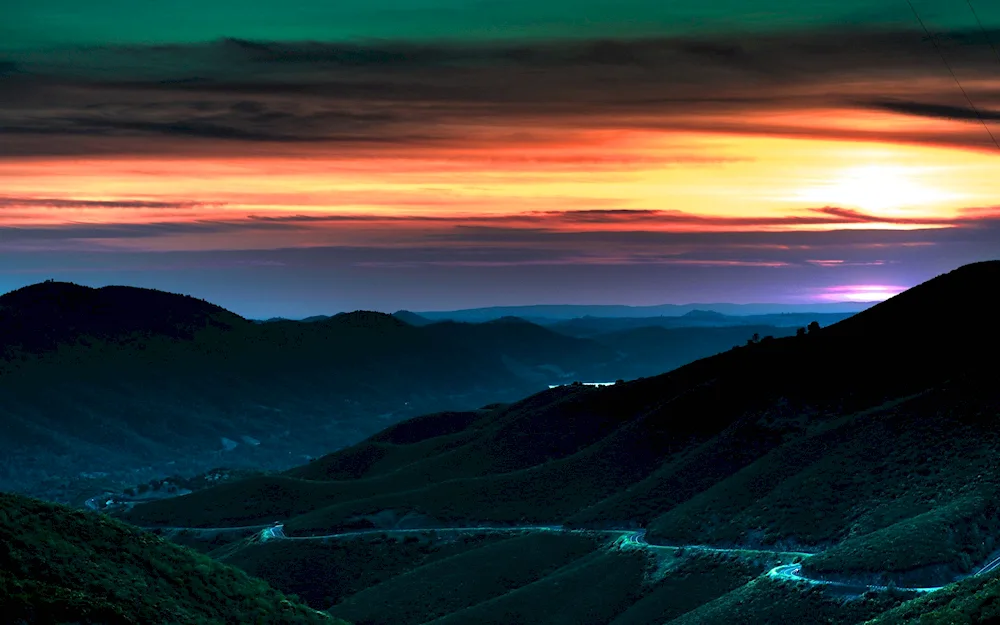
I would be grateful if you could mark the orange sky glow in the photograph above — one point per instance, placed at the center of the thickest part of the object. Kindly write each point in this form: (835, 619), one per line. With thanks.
(836, 164)
(724, 181)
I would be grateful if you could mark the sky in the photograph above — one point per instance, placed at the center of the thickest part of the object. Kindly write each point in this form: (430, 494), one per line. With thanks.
(309, 157)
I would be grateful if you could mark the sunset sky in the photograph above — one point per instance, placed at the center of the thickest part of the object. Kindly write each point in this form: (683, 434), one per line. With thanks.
(309, 156)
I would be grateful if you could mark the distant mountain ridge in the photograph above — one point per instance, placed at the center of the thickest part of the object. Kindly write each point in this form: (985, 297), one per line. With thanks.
(95, 381)
(597, 326)
(411, 318)
(704, 314)
(870, 443)
(555, 312)
(545, 314)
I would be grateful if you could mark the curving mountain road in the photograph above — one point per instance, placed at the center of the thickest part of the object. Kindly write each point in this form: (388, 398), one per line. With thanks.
(637, 538)
(634, 539)
(793, 572)
(278, 531)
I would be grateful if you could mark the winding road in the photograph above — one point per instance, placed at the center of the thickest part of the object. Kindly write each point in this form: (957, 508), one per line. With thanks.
(635, 539)
(625, 539)
(793, 572)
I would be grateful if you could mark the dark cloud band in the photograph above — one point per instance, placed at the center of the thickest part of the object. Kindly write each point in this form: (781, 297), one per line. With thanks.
(199, 97)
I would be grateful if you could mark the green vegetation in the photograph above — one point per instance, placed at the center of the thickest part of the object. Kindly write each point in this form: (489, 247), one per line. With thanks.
(776, 443)
(208, 542)
(925, 550)
(768, 602)
(855, 440)
(122, 379)
(588, 591)
(58, 565)
(911, 477)
(975, 600)
(173, 484)
(324, 573)
(448, 585)
(692, 581)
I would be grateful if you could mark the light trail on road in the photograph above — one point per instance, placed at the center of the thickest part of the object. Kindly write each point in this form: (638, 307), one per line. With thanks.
(635, 539)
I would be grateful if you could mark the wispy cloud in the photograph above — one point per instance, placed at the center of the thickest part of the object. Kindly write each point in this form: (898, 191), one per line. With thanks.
(47, 202)
(551, 237)
(104, 99)
(941, 111)
(617, 219)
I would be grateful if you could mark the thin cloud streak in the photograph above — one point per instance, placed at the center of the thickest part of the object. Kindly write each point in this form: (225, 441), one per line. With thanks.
(532, 239)
(373, 96)
(465, 228)
(44, 202)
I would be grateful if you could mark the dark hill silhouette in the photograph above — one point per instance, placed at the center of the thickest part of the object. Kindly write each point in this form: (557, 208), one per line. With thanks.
(509, 320)
(38, 318)
(544, 313)
(704, 314)
(594, 327)
(316, 318)
(521, 342)
(366, 319)
(104, 381)
(655, 349)
(946, 301)
(871, 441)
(411, 318)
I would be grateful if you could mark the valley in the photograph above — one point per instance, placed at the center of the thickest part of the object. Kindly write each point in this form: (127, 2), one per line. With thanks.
(756, 485)
(816, 482)
(103, 389)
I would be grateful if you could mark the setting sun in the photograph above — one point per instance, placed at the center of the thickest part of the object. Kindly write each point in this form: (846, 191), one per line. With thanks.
(878, 188)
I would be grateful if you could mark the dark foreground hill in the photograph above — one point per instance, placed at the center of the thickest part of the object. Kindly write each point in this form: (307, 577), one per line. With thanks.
(59, 565)
(870, 443)
(44, 317)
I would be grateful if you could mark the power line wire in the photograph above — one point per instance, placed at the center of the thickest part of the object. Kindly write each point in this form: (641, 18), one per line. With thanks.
(953, 75)
(986, 34)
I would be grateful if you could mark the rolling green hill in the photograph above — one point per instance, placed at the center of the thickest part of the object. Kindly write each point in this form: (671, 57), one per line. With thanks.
(870, 443)
(105, 388)
(58, 565)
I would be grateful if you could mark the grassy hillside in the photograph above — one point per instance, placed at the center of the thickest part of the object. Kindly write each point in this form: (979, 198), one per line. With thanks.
(326, 573)
(104, 388)
(689, 583)
(58, 565)
(448, 585)
(767, 602)
(588, 591)
(721, 450)
(976, 600)
(870, 441)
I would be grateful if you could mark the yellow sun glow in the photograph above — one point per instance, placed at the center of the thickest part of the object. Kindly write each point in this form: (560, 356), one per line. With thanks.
(884, 189)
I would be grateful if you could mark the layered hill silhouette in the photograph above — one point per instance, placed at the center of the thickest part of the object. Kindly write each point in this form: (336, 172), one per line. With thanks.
(101, 388)
(98, 383)
(549, 313)
(59, 565)
(706, 320)
(43, 317)
(870, 443)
